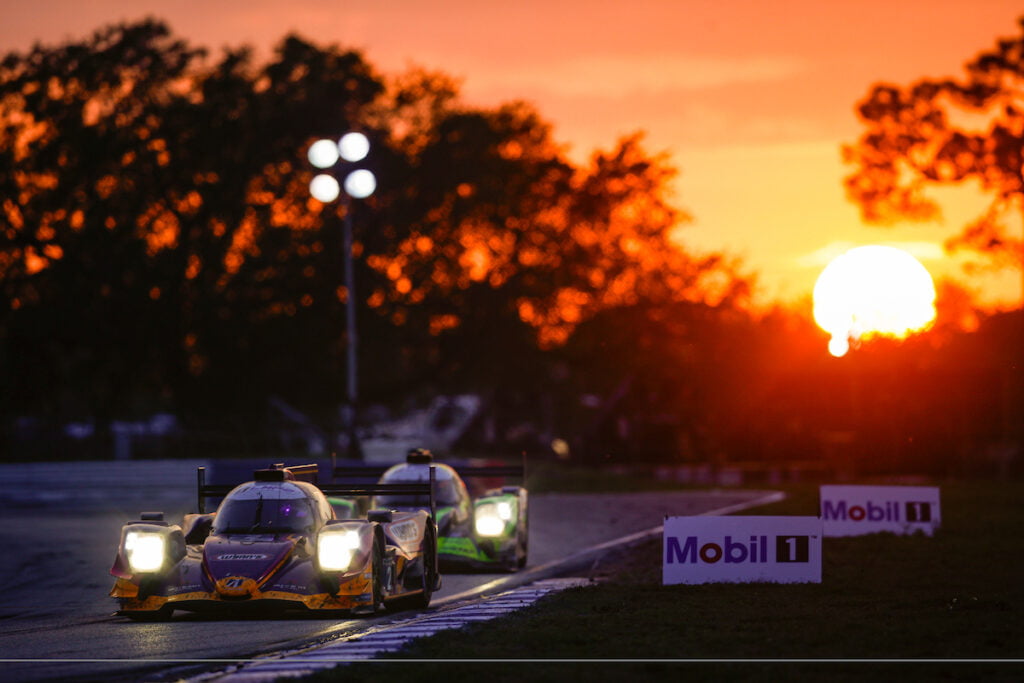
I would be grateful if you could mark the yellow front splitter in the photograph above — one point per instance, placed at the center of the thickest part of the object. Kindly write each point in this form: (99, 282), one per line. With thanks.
(353, 594)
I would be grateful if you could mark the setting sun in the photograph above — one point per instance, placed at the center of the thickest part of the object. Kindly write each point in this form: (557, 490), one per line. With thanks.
(872, 290)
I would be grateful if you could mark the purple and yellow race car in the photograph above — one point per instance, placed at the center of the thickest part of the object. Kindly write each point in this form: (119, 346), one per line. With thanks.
(275, 543)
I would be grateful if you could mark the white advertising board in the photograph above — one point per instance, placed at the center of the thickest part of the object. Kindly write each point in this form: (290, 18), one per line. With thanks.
(857, 510)
(741, 549)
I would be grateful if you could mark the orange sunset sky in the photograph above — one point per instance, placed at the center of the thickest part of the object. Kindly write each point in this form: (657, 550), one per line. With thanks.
(750, 98)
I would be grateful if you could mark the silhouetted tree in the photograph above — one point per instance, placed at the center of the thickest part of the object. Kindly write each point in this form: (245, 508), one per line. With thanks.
(946, 131)
(83, 163)
(153, 218)
(159, 248)
(505, 246)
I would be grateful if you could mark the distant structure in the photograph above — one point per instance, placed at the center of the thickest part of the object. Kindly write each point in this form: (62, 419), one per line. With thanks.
(437, 427)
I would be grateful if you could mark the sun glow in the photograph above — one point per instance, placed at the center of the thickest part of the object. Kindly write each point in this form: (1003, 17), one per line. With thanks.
(872, 290)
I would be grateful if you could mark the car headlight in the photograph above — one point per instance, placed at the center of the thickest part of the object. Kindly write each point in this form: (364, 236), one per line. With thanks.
(335, 549)
(491, 518)
(145, 550)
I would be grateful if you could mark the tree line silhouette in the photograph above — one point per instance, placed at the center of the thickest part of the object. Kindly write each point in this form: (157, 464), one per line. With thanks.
(160, 252)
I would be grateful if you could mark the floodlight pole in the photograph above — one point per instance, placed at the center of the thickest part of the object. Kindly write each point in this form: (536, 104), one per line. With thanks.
(325, 154)
(355, 450)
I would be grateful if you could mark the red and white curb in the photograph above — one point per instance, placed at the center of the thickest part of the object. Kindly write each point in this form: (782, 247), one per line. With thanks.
(389, 638)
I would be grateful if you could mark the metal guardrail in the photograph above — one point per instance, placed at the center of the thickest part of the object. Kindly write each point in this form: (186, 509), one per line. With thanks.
(464, 471)
(110, 472)
(59, 483)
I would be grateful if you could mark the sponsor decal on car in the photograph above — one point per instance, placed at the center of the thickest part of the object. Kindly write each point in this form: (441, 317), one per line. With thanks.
(461, 547)
(242, 556)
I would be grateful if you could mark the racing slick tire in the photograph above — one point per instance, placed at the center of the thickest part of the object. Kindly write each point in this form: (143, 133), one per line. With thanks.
(522, 545)
(378, 570)
(430, 578)
(520, 560)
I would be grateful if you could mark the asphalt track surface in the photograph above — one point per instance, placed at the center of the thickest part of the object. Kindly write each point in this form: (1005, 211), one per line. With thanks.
(57, 622)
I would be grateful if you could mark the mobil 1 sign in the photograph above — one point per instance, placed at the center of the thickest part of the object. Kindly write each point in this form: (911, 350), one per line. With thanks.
(741, 550)
(856, 510)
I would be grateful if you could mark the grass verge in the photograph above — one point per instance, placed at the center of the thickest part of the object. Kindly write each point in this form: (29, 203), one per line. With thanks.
(955, 596)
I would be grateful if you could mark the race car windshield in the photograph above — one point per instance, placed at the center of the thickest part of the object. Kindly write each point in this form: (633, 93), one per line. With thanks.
(445, 494)
(263, 515)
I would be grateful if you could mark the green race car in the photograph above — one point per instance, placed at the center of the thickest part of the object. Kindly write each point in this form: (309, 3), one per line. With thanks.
(488, 531)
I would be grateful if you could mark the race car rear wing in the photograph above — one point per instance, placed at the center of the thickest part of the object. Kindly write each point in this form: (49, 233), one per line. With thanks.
(205, 490)
(464, 471)
(407, 489)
